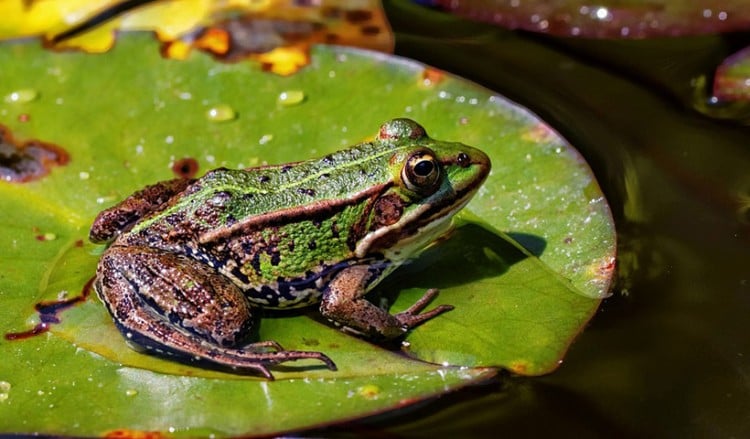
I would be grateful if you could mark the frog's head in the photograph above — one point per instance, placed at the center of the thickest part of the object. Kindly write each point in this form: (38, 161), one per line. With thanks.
(431, 181)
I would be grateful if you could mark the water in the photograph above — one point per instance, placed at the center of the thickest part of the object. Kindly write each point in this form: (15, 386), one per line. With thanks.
(668, 354)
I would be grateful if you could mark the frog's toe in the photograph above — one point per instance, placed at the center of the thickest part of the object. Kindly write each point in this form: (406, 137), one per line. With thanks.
(412, 316)
(283, 356)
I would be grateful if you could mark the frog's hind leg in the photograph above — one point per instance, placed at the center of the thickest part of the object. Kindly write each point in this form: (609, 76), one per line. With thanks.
(172, 305)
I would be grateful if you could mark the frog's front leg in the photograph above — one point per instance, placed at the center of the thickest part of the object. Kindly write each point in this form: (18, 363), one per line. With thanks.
(174, 305)
(344, 303)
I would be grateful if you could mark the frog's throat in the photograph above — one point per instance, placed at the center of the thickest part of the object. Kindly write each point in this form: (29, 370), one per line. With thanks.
(413, 239)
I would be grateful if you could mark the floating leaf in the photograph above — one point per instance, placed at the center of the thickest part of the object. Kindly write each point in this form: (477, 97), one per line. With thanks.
(732, 80)
(129, 118)
(276, 33)
(607, 19)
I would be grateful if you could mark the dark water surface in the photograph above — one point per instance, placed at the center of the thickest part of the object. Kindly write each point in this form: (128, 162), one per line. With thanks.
(668, 355)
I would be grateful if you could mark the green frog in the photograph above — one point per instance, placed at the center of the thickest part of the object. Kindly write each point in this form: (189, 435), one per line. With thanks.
(189, 259)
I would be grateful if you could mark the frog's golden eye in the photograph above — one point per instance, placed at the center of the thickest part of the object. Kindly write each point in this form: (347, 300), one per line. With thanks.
(421, 173)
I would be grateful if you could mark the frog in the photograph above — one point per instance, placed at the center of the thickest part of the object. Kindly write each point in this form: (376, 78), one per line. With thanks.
(189, 263)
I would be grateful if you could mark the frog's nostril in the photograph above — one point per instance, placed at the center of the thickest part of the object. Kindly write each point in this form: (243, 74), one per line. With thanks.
(463, 159)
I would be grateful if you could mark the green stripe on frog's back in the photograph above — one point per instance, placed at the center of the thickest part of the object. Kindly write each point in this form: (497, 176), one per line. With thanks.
(250, 196)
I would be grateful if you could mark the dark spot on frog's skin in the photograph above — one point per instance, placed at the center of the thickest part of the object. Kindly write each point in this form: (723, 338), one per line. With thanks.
(307, 191)
(291, 246)
(335, 230)
(275, 256)
(316, 223)
(185, 168)
(286, 168)
(324, 176)
(173, 219)
(312, 245)
(255, 262)
(27, 161)
(370, 30)
(264, 179)
(329, 160)
(357, 16)
(388, 210)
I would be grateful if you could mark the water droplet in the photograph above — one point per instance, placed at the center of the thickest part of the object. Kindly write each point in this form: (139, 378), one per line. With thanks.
(265, 139)
(369, 391)
(83, 175)
(4, 390)
(221, 113)
(22, 96)
(169, 139)
(291, 97)
(131, 392)
(602, 13)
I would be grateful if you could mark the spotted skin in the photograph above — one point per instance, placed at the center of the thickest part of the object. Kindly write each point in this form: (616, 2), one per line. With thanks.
(189, 261)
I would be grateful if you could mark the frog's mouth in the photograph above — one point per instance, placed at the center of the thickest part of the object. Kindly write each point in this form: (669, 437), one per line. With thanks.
(415, 230)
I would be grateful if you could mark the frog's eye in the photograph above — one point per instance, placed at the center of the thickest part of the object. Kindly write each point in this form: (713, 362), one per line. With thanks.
(421, 173)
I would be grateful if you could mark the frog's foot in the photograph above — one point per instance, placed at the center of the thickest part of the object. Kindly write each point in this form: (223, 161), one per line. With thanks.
(343, 303)
(412, 317)
(248, 358)
(179, 344)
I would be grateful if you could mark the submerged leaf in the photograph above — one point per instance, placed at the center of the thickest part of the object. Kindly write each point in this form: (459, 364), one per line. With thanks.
(277, 34)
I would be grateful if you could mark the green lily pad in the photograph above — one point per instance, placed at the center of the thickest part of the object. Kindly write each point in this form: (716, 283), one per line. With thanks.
(525, 270)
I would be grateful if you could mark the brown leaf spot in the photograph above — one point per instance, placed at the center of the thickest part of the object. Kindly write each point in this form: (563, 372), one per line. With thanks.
(431, 77)
(31, 160)
(370, 30)
(358, 15)
(134, 434)
(185, 168)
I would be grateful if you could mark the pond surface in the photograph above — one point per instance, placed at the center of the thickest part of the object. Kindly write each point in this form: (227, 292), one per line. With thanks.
(668, 354)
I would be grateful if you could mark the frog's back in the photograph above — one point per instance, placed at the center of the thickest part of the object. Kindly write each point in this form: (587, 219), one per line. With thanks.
(277, 231)
(342, 175)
